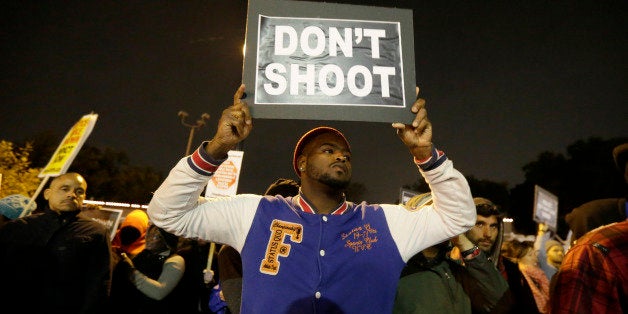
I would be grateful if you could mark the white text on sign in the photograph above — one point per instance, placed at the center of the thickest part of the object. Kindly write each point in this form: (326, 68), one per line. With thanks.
(330, 78)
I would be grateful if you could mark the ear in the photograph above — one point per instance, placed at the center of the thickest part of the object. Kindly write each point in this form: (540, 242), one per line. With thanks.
(302, 162)
(47, 194)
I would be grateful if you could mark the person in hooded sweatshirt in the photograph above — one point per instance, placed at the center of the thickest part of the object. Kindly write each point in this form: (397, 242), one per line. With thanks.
(432, 282)
(144, 283)
(131, 236)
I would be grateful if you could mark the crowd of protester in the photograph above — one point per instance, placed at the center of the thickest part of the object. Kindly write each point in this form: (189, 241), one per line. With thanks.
(442, 252)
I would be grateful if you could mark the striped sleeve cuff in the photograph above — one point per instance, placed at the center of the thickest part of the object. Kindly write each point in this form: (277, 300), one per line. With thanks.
(202, 163)
(437, 158)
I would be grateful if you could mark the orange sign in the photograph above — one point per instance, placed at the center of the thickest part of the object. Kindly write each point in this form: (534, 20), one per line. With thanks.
(226, 175)
(224, 182)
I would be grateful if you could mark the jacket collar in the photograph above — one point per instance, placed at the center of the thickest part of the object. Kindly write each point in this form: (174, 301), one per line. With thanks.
(301, 202)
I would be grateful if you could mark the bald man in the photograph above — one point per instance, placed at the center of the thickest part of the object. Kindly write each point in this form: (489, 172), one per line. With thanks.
(56, 261)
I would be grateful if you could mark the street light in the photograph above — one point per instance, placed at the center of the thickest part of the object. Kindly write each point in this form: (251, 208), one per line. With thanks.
(199, 123)
(208, 274)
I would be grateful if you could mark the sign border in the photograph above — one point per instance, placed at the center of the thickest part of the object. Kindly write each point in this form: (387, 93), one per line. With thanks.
(281, 8)
(539, 190)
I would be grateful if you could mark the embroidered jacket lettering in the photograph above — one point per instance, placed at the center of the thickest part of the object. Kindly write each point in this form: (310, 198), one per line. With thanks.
(360, 238)
(277, 247)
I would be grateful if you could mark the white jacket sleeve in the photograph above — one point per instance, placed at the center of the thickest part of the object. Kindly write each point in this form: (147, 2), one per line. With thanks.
(178, 208)
(451, 213)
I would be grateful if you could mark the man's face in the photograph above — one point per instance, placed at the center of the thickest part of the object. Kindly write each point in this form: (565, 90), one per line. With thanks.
(328, 160)
(66, 193)
(555, 254)
(484, 233)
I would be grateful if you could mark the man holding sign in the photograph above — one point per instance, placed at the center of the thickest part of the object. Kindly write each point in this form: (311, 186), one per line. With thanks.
(315, 252)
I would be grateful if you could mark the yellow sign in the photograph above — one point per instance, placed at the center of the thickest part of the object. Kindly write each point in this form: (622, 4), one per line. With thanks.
(69, 147)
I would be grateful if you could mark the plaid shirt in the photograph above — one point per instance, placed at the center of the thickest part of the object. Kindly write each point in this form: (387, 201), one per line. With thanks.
(593, 277)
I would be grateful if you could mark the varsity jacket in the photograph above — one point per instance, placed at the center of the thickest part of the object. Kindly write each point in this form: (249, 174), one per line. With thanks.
(297, 261)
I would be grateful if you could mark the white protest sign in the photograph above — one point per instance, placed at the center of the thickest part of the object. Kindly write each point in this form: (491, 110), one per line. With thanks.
(225, 180)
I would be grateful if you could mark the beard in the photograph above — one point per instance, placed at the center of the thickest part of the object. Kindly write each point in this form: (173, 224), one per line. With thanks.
(334, 183)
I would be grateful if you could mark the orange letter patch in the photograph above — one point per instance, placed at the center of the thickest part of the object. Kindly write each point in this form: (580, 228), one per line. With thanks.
(276, 247)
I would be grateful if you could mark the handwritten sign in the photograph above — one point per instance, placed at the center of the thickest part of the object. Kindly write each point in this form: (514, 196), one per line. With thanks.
(69, 147)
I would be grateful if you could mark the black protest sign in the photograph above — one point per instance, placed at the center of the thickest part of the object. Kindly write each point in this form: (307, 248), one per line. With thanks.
(327, 61)
(109, 217)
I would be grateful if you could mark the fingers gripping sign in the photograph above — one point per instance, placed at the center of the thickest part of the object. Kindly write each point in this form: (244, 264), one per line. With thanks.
(234, 126)
(418, 135)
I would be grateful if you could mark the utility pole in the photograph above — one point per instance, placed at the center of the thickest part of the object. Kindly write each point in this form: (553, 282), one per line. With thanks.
(193, 127)
(208, 274)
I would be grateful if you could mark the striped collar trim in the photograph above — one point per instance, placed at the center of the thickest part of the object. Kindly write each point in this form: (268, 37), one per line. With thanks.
(307, 208)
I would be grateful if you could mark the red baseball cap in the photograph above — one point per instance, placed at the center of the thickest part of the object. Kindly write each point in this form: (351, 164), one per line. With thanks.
(310, 135)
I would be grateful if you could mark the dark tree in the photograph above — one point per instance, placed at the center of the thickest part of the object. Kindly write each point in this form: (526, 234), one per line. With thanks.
(494, 191)
(110, 176)
(109, 173)
(588, 172)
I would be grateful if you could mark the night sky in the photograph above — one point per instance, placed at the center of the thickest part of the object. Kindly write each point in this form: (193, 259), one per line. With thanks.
(503, 82)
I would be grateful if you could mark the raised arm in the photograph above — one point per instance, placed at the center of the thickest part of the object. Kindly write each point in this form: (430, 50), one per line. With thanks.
(418, 135)
(452, 211)
(480, 280)
(234, 126)
(176, 205)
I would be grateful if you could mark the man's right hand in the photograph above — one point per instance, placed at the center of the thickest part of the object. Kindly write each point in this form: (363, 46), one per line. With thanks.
(418, 135)
(234, 126)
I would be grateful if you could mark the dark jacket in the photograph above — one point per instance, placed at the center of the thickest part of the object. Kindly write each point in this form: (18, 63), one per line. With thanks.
(53, 263)
(449, 287)
(522, 297)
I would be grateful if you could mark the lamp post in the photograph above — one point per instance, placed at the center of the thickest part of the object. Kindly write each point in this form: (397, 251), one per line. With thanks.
(208, 274)
(193, 127)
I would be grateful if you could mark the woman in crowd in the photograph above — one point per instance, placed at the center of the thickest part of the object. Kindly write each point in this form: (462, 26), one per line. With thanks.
(144, 283)
(528, 282)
